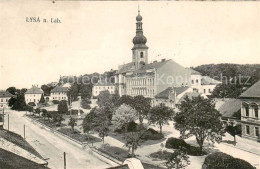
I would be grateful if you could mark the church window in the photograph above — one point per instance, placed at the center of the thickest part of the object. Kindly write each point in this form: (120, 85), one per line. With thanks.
(141, 54)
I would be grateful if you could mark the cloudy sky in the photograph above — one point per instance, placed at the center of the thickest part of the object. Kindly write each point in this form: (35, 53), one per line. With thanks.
(97, 36)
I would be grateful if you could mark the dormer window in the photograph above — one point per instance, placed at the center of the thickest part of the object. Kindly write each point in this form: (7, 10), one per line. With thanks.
(141, 54)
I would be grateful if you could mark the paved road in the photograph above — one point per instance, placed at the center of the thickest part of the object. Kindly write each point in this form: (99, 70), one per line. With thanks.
(51, 146)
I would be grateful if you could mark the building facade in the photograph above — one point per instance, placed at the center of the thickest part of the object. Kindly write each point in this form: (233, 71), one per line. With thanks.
(33, 94)
(250, 120)
(99, 87)
(148, 79)
(4, 98)
(59, 93)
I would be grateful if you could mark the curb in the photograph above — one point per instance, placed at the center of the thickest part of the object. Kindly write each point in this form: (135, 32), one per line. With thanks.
(94, 151)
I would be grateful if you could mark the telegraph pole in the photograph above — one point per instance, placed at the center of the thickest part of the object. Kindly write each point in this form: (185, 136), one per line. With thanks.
(8, 122)
(24, 131)
(64, 160)
(70, 105)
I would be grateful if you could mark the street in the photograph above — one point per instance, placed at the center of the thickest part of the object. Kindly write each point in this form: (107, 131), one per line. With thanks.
(50, 146)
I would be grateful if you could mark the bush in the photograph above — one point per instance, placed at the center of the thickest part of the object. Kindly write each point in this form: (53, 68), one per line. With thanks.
(55, 101)
(85, 104)
(162, 155)
(175, 143)
(224, 161)
(151, 134)
(31, 104)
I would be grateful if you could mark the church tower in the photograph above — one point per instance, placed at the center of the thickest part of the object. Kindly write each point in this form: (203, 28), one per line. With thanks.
(140, 50)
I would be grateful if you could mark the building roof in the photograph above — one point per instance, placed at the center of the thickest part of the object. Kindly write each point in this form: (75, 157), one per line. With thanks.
(68, 85)
(59, 89)
(252, 92)
(153, 65)
(229, 107)
(125, 68)
(165, 93)
(5, 94)
(193, 72)
(206, 80)
(104, 84)
(34, 90)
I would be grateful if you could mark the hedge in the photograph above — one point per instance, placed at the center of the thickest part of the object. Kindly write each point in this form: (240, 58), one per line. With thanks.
(55, 101)
(224, 161)
(176, 143)
(151, 134)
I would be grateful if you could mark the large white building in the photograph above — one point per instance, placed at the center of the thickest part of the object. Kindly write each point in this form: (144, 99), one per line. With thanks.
(148, 79)
(4, 98)
(59, 93)
(97, 88)
(33, 94)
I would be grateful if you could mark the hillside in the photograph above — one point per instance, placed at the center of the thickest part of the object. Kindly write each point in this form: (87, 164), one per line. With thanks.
(229, 71)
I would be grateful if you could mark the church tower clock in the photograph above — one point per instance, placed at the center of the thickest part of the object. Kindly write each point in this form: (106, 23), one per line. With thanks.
(140, 50)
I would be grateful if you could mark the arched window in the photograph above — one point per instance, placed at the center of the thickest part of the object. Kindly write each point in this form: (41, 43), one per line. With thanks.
(141, 54)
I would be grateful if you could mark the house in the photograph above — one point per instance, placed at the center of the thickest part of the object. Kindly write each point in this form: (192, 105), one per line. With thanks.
(230, 108)
(250, 120)
(4, 98)
(97, 88)
(170, 96)
(33, 94)
(59, 93)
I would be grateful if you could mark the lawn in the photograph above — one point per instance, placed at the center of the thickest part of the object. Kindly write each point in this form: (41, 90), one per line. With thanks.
(19, 141)
(78, 136)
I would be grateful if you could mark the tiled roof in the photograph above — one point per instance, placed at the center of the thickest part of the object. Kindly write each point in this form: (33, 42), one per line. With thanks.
(193, 72)
(5, 94)
(125, 68)
(253, 91)
(154, 65)
(230, 107)
(165, 93)
(206, 80)
(59, 89)
(34, 90)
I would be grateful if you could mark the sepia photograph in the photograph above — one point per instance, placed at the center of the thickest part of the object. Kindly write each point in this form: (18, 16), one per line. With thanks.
(129, 84)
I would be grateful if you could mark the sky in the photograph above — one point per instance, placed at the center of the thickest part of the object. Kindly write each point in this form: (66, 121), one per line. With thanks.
(97, 36)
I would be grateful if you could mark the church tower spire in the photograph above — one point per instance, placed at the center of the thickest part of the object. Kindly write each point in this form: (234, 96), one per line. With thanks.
(140, 50)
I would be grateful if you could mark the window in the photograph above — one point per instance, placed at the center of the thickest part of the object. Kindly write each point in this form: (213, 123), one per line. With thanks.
(6, 100)
(197, 81)
(209, 90)
(192, 81)
(247, 130)
(204, 90)
(247, 111)
(141, 54)
(256, 131)
(1, 100)
(256, 111)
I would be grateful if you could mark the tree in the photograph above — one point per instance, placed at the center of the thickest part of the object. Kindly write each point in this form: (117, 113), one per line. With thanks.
(44, 113)
(198, 117)
(86, 91)
(160, 115)
(57, 117)
(42, 100)
(233, 129)
(227, 91)
(37, 111)
(63, 107)
(46, 89)
(124, 114)
(73, 92)
(72, 123)
(85, 103)
(105, 100)
(177, 160)
(126, 99)
(97, 120)
(142, 105)
(12, 90)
